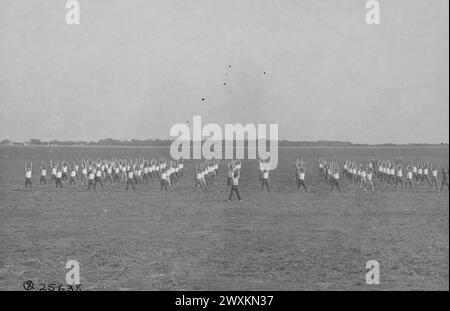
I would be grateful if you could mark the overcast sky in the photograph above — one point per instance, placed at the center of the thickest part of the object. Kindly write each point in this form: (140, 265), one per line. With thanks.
(132, 69)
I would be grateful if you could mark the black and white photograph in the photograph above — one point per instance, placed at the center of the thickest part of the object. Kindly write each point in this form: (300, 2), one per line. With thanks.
(224, 150)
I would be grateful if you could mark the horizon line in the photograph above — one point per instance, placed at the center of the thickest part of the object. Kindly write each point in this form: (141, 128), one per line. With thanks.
(126, 141)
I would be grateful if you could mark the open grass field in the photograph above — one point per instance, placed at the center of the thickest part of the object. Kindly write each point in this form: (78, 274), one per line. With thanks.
(187, 240)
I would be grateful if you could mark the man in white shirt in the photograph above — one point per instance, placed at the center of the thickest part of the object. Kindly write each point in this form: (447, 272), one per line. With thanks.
(234, 186)
(28, 170)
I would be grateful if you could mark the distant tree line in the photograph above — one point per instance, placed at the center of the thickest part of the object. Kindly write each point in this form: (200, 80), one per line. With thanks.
(167, 142)
(101, 142)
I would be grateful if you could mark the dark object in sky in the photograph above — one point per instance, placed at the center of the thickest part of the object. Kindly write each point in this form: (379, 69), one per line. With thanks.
(264, 72)
(224, 83)
(229, 66)
(203, 99)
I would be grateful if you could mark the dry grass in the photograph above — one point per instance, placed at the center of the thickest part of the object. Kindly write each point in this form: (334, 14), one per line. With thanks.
(197, 241)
